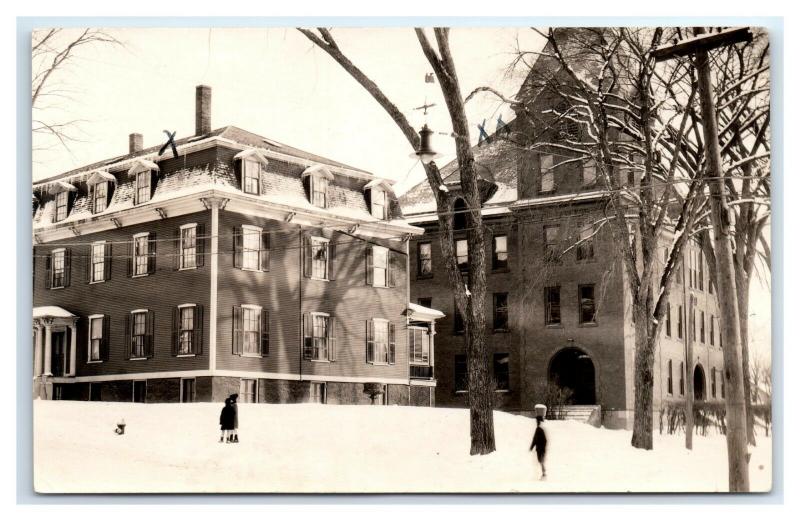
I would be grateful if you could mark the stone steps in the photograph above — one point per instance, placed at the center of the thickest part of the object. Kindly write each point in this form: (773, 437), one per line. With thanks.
(582, 413)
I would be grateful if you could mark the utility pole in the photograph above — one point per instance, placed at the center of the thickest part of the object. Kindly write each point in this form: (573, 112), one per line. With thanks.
(736, 434)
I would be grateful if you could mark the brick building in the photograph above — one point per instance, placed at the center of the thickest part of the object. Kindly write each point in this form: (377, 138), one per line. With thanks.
(560, 310)
(239, 265)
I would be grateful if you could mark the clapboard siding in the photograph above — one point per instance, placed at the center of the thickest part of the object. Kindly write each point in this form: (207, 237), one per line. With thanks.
(160, 292)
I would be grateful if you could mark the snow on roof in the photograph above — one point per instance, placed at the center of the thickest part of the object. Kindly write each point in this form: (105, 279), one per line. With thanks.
(423, 313)
(142, 165)
(51, 312)
(318, 170)
(386, 183)
(253, 152)
(61, 186)
(566, 198)
(100, 176)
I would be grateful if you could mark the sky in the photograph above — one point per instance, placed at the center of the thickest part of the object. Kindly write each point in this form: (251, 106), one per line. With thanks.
(275, 82)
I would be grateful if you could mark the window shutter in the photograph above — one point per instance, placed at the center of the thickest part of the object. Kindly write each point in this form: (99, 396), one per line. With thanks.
(264, 332)
(151, 253)
(369, 265)
(106, 340)
(128, 336)
(264, 252)
(71, 196)
(89, 264)
(306, 255)
(107, 261)
(368, 200)
(392, 208)
(200, 245)
(48, 263)
(67, 267)
(150, 336)
(237, 330)
(370, 341)
(332, 339)
(110, 187)
(307, 186)
(153, 182)
(238, 246)
(392, 344)
(197, 343)
(90, 196)
(176, 330)
(396, 268)
(131, 249)
(308, 337)
(331, 261)
(176, 240)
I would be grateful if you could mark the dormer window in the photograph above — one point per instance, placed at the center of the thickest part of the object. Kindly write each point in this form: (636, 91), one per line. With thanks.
(316, 180)
(101, 188)
(378, 201)
(144, 172)
(62, 205)
(377, 194)
(251, 164)
(100, 200)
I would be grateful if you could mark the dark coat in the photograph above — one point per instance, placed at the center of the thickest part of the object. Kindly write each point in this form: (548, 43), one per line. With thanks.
(227, 417)
(539, 441)
(235, 415)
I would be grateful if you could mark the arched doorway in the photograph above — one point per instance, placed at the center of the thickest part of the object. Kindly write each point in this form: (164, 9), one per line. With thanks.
(699, 382)
(572, 369)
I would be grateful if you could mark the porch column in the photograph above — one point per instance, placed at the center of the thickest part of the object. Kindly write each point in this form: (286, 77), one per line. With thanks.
(48, 348)
(73, 341)
(37, 351)
(431, 335)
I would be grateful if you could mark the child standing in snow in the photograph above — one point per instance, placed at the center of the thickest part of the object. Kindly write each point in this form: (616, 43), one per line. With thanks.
(540, 444)
(226, 421)
(234, 438)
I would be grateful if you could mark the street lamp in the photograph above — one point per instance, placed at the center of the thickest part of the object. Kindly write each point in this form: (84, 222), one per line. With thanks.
(425, 153)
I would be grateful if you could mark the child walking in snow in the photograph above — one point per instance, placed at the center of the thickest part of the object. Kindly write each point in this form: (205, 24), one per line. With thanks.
(234, 438)
(226, 421)
(540, 444)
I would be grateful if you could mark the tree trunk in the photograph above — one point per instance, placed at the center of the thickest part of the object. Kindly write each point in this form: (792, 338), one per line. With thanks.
(643, 384)
(736, 435)
(743, 296)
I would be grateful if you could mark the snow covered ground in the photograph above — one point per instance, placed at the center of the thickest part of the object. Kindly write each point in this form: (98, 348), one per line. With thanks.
(319, 448)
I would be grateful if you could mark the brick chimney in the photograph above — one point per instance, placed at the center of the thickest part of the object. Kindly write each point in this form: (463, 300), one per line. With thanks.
(135, 143)
(202, 110)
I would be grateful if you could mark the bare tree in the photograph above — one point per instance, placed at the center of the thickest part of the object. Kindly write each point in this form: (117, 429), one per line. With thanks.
(52, 52)
(469, 300)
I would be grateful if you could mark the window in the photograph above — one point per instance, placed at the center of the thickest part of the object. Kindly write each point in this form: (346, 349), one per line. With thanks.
(461, 378)
(459, 214)
(251, 176)
(500, 362)
(700, 270)
(143, 192)
(713, 382)
(703, 327)
(551, 253)
(98, 338)
(458, 320)
(251, 247)
(97, 270)
(380, 341)
(251, 328)
(711, 329)
(319, 258)
(585, 249)
(681, 379)
(248, 390)
(680, 322)
(380, 266)
(318, 393)
(378, 204)
(669, 377)
(587, 306)
(552, 306)
(419, 345)
(319, 337)
(140, 391)
(589, 173)
(722, 381)
(426, 302)
(62, 205)
(500, 252)
(141, 254)
(546, 182)
(59, 268)
(188, 247)
(693, 324)
(501, 311)
(424, 260)
(319, 191)
(140, 334)
(462, 254)
(668, 313)
(188, 330)
(100, 197)
(187, 390)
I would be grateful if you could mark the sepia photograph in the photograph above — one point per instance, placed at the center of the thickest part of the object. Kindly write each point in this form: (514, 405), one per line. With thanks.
(432, 259)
